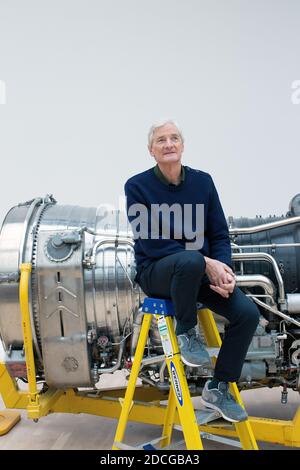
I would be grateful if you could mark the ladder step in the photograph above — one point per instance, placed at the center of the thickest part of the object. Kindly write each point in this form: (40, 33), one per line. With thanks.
(204, 415)
(222, 440)
(149, 445)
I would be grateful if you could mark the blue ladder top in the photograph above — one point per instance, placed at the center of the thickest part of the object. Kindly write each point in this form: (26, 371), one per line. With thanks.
(158, 307)
(162, 306)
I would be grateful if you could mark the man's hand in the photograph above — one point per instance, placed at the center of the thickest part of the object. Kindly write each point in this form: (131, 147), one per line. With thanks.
(221, 277)
(225, 290)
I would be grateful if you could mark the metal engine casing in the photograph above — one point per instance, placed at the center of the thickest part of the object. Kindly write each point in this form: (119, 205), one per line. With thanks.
(72, 304)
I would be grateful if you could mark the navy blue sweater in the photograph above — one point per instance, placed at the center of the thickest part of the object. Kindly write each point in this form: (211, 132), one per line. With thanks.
(197, 188)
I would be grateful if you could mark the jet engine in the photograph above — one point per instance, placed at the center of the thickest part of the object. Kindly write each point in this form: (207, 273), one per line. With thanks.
(85, 305)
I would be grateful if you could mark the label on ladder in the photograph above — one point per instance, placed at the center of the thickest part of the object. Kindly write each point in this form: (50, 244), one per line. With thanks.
(176, 383)
(165, 337)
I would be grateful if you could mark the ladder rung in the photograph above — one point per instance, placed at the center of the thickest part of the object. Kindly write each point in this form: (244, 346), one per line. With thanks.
(204, 416)
(210, 417)
(123, 446)
(222, 440)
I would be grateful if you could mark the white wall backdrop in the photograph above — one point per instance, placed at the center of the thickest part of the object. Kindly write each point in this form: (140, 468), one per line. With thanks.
(84, 79)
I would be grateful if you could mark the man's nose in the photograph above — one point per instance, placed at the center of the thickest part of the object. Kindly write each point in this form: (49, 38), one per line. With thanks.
(168, 143)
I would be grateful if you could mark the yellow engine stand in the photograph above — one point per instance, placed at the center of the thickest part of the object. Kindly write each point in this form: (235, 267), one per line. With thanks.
(147, 408)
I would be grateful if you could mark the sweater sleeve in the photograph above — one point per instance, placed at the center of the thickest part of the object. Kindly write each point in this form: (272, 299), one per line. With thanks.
(152, 248)
(217, 229)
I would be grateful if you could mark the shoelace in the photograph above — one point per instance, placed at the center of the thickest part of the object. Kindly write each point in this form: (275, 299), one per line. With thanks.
(225, 392)
(193, 340)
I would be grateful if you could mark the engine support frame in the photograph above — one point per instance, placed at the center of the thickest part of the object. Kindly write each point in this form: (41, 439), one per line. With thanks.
(106, 402)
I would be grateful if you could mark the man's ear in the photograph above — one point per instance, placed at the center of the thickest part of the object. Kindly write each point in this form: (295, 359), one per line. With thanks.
(150, 151)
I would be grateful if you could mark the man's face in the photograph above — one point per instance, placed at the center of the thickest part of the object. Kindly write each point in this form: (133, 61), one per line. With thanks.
(167, 145)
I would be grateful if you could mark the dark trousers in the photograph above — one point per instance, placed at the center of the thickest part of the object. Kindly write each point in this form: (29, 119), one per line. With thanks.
(181, 277)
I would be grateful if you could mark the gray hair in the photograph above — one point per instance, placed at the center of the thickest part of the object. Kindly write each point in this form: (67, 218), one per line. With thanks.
(160, 123)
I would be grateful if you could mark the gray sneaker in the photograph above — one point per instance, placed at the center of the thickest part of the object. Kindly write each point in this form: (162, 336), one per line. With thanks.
(192, 350)
(221, 400)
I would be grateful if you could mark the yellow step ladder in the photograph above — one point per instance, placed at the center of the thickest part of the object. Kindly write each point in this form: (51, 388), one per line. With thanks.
(179, 395)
